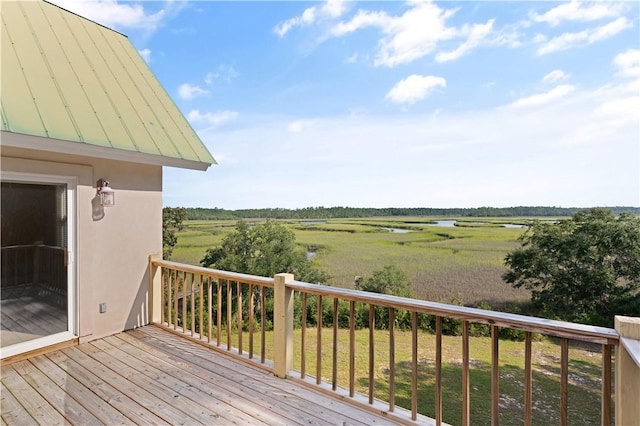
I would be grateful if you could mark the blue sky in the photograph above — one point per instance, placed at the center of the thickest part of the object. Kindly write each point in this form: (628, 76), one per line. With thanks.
(397, 104)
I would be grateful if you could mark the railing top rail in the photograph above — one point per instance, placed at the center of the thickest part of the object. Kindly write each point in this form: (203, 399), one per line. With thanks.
(554, 328)
(31, 246)
(17, 246)
(215, 273)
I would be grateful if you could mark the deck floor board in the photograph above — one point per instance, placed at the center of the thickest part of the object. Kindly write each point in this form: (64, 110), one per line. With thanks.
(28, 313)
(292, 396)
(152, 376)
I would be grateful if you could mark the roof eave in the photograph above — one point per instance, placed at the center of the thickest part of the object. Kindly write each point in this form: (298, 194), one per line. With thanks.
(18, 140)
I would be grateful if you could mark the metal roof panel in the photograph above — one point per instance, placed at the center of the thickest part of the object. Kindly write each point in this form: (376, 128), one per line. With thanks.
(68, 78)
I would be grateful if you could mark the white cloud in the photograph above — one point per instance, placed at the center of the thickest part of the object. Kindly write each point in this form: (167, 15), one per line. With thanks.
(298, 126)
(628, 63)
(543, 99)
(334, 8)
(621, 111)
(583, 38)
(476, 34)
(146, 55)
(577, 11)
(115, 15)
(353, 58)
(419, 31)
(329, 9)
(210, 78)
(224, 73)
(414, 88)
(540, 38)
(212, 118)
(362, 19)
(407, 37)
(555, 76)
(188, 91)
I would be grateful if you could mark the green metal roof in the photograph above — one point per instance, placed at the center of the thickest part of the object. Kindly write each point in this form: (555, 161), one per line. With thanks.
(79, 87)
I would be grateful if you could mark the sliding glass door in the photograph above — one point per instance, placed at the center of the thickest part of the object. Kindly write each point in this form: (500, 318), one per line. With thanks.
(37, 299)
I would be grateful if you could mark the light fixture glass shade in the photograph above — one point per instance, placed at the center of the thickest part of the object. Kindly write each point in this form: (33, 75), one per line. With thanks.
(107, 195)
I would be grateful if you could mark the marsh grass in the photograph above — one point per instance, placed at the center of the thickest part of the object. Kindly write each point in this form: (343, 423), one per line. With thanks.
(464, 264)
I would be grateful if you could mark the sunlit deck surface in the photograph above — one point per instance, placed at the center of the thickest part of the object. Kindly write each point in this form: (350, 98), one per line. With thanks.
(151, 376)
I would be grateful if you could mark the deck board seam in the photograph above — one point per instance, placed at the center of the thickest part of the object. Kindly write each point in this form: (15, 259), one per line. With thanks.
(283, 385)
(210, 376)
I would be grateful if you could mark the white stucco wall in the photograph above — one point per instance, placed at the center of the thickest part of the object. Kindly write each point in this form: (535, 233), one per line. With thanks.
(112, 250)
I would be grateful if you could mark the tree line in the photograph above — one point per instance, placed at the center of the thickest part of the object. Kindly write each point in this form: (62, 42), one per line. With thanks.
(200, 213)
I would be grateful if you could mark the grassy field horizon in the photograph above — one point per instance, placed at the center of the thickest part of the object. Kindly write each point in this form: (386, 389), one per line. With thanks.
(462, 264)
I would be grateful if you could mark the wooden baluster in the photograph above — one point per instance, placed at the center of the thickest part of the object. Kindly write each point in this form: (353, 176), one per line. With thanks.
(495, 377)
(528, 380)
(334, 375)
(392, 360)
(229, 313)
(169, 298)
(352, 348)
(319, 343)
(438, 370)
(209, 313)
(606, 386)
(466, 409)
(201, 307)
(414, 365)
(263, 316)
(219, 312)
(193, 303)
(564, 382)
(175, 300)
(250, 296)
(163, 275)
(303, 337)
(184, 302)
(372, 326)
(239, 314)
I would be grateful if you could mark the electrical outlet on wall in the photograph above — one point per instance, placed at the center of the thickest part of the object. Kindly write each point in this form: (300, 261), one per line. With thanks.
(103, 308)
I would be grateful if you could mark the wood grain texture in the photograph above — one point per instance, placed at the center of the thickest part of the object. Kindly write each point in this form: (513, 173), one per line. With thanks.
(152, 376)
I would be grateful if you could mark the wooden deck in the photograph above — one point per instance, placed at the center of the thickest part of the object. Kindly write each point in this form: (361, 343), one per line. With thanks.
(151, 376)
(29, 312)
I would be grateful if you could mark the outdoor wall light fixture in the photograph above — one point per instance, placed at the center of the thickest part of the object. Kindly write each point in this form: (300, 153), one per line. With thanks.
(107, 195)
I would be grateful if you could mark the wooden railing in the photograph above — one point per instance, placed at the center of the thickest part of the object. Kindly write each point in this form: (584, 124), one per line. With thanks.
(226, 310)
(34, 264)
(17, 265)
(216, 307)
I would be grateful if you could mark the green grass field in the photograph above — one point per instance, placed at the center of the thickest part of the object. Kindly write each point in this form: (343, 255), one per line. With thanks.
(462, 263)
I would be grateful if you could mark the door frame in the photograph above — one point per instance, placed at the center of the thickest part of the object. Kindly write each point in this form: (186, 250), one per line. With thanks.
(72, 266)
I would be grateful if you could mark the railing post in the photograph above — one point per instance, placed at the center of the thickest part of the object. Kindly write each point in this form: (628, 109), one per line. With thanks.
(155, 289)
(628, 371)
(282, 325)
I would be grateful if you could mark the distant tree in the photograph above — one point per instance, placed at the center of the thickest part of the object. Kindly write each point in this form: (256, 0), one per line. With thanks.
(388, 280)
(264, 250)
(584, 269)
(172, 218)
